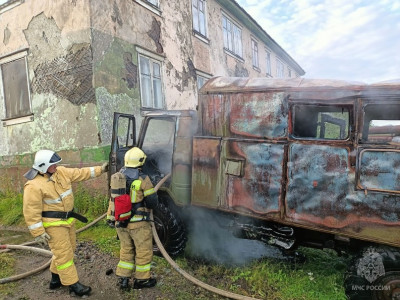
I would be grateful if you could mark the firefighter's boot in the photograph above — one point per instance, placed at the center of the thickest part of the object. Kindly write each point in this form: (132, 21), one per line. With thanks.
(123, 283)
(144, 283)
(79, 289)
(55, 281)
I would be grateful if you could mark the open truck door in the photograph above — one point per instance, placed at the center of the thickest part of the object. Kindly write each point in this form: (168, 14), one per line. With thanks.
(123, 139)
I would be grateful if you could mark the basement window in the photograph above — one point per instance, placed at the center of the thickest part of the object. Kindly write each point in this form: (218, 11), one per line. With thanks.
(320, 122)
(15, 89)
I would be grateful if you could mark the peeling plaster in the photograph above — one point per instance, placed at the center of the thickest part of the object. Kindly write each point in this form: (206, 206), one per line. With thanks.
(43, 33)
(131, 71)
(155, 34)
(68, 77)
(57, 127)
(116, 16)
(110, 103)
(7, 35)
(240, 70)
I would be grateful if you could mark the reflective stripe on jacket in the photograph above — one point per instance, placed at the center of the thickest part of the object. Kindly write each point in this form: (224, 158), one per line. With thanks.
(44, 193)
(140, 188)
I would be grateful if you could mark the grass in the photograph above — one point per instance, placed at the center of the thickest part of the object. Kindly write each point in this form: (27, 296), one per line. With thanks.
(7, 263)
(319, 277)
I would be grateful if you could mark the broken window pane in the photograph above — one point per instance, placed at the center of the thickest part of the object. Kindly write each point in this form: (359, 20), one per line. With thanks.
(15, 88)
(381, 123)
(321, 122)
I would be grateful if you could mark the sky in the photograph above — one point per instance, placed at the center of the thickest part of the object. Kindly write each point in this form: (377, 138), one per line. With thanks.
(356, 40)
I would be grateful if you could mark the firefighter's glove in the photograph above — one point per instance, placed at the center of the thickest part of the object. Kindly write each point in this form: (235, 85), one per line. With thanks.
(104, 167)
(42, 239)
(110, 223)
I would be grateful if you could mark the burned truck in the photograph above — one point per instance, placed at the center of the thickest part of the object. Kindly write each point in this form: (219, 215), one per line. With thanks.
(291, 162)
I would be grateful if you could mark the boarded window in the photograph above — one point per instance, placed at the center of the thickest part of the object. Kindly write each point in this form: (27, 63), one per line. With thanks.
(320, 122)
(15, 88)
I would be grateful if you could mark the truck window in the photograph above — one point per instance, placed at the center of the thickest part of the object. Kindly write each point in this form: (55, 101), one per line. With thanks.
(320, 122)
(158, 144)
(379, 170)
(381, 123)
(125, 137)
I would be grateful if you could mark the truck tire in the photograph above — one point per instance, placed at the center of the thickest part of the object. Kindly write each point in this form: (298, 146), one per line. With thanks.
(374, 274)
(170, 230)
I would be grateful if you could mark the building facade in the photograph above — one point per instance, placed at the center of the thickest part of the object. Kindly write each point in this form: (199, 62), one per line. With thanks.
(66, 66)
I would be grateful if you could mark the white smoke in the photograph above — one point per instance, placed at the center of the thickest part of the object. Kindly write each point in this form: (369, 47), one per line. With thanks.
(213, 243)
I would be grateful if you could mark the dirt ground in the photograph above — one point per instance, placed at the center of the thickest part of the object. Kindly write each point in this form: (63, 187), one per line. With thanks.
(93, 267)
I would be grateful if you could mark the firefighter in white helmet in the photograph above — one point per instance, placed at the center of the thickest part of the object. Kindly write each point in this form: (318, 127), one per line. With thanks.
(48, 204)
(134, 232)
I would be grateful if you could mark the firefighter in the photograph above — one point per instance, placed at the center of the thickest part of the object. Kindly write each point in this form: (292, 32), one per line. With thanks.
(135, 235)
(48, 204)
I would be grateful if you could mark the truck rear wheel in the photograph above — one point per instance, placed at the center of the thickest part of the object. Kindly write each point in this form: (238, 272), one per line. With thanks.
(374, 274)
(170, 230)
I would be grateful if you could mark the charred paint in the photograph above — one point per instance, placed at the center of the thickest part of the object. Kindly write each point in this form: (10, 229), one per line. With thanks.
(251, 115)
(258, 187)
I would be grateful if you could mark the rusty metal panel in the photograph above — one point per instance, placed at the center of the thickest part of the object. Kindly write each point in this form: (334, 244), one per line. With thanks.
(247, 115)
(257, 189)
(205, 169)
(258, 115)
(321, 194)
(318, 181)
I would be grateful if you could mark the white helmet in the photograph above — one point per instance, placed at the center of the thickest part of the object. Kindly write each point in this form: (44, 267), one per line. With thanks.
(43, 160)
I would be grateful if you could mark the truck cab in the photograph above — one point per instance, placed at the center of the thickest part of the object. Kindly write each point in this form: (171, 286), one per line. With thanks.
(292, 162)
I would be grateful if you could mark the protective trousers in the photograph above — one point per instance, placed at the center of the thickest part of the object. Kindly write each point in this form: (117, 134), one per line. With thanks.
(136, 250)
(62, 244)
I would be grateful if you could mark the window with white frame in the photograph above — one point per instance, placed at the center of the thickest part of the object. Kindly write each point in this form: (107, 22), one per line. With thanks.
(9, 4)
(153, 2)
(199, 16)
(268, 62)
(15, 86)
(201, 78)
(232, 36)
(150, 82)
(280, 69)
(153, 5)
(254, 50)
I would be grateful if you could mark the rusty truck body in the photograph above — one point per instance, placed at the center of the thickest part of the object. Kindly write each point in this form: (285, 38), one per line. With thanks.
(292, 162)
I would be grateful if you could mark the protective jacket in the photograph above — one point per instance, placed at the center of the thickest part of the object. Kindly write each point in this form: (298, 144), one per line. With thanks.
(136, 251)
(45, 193)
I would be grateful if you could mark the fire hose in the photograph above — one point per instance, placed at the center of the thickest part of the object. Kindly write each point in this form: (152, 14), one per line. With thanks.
(156, 239)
